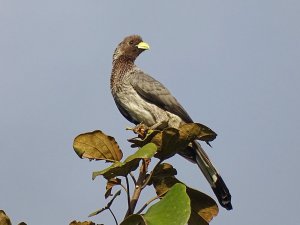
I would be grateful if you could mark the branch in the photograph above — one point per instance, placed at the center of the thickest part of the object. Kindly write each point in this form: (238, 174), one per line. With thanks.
(138, 187)
(128, 194)
(113, 216)
(133, 178)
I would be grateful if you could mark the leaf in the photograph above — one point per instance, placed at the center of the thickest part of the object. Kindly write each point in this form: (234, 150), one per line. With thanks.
(195, 219)
(111, 201)
(173, 209)
(130, 164)
(171, 140)
(169, 143)
(4, 219)
(134, 219)
(203, 206)
(138, 142)
(203, 132)
(97, 212)
(110, 184)
(107, 206)
(97, 145)
(82, 223)
(164, 170)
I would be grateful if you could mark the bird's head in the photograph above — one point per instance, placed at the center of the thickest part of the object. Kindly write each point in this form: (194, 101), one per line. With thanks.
(130, 48)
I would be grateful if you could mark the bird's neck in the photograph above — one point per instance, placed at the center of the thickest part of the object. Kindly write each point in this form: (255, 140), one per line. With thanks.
(120, 68)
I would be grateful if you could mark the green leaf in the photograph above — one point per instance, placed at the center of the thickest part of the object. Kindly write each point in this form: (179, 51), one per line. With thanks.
(173, 209)
(130, 164)
(97, 145)
(203, 206)
(134, 219)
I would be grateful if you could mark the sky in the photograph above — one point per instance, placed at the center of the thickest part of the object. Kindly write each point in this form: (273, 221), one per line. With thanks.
(233, 65)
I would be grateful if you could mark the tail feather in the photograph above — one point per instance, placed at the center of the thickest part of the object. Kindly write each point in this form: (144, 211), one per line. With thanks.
(222, 193)
(215, 180)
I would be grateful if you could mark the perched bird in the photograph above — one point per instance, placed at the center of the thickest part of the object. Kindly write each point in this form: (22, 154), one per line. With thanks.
(142, 99)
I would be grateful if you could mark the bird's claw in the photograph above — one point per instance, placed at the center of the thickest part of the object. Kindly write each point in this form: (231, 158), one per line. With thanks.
(140, 129)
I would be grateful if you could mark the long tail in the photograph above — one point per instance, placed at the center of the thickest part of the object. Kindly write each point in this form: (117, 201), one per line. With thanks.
(211, 174)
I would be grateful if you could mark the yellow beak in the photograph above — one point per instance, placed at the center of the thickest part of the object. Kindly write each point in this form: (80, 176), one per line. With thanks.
(143, 45)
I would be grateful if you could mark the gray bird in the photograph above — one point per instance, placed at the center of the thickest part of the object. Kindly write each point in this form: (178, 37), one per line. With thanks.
(142, 99)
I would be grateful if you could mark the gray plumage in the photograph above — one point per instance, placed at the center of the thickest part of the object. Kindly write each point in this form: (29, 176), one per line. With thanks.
(142, 99)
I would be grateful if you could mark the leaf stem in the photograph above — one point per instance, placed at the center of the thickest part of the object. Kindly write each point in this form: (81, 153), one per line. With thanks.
(125, 189)
(147, 203)
(151, 174)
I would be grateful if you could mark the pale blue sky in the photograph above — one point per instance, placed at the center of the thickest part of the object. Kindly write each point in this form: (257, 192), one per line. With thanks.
(234, 66)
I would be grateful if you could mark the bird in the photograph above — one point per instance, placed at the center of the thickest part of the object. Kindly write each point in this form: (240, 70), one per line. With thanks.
(142, 99)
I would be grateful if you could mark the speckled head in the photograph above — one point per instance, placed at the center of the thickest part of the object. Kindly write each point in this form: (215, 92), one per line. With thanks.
(130, 48)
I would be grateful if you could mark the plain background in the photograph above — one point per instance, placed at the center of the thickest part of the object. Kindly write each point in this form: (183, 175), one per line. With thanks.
(234, 66)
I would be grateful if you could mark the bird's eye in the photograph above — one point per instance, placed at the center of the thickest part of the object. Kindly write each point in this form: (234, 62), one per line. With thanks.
(131, 42)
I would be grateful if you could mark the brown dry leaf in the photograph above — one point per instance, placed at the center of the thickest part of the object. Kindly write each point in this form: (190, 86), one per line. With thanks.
(195, 219)
(169, 143)
(140, 142)
(164, 170)
(110, 184)
(171, 140)
(82, 223)
(202, 205)
(4, 219)
(97, 145)
(201, 131)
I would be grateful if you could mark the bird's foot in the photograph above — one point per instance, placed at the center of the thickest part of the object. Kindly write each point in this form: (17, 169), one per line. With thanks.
(140, 129)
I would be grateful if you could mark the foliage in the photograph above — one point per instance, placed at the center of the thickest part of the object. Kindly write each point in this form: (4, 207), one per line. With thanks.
(4, 219)
(177, 203)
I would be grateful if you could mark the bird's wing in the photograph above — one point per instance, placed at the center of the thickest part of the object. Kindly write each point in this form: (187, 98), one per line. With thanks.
(124, 112)
(155, 92)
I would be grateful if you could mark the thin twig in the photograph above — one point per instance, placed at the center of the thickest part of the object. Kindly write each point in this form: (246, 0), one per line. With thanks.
(133, 178)
(151, 174)
(128, 194)
(147, 203)
(113, 216)
(122, 185)
(151, 200)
